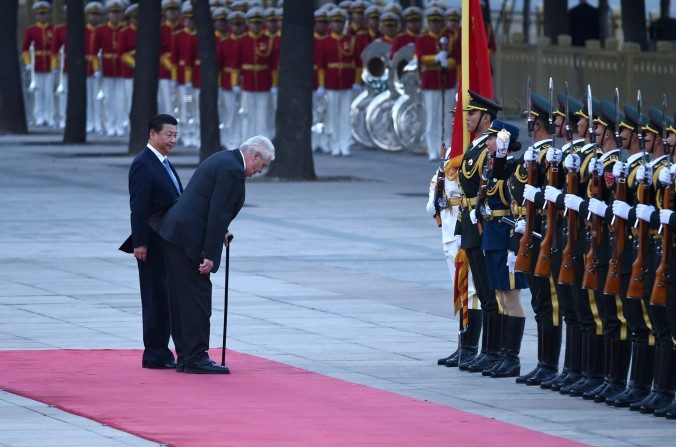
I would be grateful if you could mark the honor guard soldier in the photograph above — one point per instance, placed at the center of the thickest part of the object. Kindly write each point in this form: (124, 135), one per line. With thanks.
(127, 53)
(60, 73)
(372, 14)
(493, 206)
(185, 62)
(273, 27)
(481, 112)
(337, 76)
(167, 94)
(452, 25)
(228, 110)
(38, 60)
(356, 12)
(389, 23)
(319, 139)
(107, 41)
(412, 25)
(93, 11)
(437, 78)
(255, 64)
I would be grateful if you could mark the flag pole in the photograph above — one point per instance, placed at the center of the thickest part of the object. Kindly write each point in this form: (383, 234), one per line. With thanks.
(464, 70)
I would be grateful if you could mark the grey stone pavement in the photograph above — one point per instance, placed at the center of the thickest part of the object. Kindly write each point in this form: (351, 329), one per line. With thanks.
(344, 277)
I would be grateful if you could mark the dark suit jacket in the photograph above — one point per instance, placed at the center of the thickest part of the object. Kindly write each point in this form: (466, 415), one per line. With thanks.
(198, 221)
(584, 23)
(150, 189)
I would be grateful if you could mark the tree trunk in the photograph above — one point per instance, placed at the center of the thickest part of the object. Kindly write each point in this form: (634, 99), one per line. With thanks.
(12, 109)
(526, 21)
(556, 19)
(603, 20)
(293, 157)
(633, 22)
(144, 97)
(665, 7)
(76, 107)
(210, 138)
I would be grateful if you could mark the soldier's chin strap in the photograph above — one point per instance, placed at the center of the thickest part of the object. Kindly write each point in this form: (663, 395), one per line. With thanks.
(478, 123)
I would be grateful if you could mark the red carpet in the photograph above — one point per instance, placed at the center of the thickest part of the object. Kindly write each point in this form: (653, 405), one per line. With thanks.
(263, 403)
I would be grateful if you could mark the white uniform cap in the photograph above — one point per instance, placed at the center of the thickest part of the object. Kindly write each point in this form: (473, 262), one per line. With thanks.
(41, 5)
(236, 16)
(112, 5)
(220, 12)
(171, 4)
(336, 13)
(131, 9)
(93, 6)
(254, 14)
(372, 11)
(269, 13)
(186, 7)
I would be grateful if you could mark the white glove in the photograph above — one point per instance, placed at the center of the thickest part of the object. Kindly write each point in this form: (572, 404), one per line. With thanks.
(529, 192)
(643, 212)
(273, 90)
(620, 170)
(511, 261)
(597, 207)
(356, 88)
(665, 216)
(501, 144)
(97, 74)
(188, 88)
(595, 166)
(665, 177)
(573, 202)
(236, 89)
(551, 193)
(530, 155)
(28, 67)
(430, 206)
(673, 170)
(472, 216)
(621, 209)
(554, 155)
(572, 162)
(520, 226)
(321, 91)
(642, 172)
(442, 58)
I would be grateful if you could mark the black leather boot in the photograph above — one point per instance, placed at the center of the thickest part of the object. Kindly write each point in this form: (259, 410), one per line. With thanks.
(640, 376)
(504, 341)
(620, 357)
(469, 339)
(511, 366)
(665, 393)
(452, 360)
(584, 375)
(575, 368)
(547, 384)
(522, 379)
(607, 362)
(596, 366)
(636, 406)
(551, 348)
(671, 408)
(491, 355)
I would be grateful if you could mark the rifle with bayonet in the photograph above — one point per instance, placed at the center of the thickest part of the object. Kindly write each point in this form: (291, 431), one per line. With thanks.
(523, 257)
(590, 279)
(658, 296)
(617, 227)
(440, 202)
(636, 286)
(543, 267)
(567, 271)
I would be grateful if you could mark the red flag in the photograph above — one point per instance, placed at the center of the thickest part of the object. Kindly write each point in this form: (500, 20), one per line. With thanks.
(475, 74)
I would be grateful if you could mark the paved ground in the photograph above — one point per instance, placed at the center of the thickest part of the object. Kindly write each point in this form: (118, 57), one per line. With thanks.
(343, 277)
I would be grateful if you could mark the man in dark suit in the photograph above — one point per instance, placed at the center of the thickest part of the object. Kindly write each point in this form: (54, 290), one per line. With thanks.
(194, 230)
(153, 185)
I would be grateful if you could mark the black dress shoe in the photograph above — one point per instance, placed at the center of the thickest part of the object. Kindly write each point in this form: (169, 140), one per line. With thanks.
(167, 365)
(206, 366)
(451, 358)
(180, 367)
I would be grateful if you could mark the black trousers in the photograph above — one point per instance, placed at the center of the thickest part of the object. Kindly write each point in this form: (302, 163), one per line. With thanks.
(190, 296)
(155, 304)
(544, 299)
(612, 309)
(477, 264)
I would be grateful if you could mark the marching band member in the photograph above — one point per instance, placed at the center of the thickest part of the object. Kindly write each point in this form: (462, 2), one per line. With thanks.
(40, 35)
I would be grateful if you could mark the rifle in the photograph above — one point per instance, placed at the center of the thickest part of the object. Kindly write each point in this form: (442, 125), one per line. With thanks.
(543, 267)
(439, 199)
(617, 227)
(482, 209)
(635, 289)
(523, 263)
(658, 296)
(567, 271)
(590, 279)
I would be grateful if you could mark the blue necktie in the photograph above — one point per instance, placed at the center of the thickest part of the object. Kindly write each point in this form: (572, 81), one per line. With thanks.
(167, 166)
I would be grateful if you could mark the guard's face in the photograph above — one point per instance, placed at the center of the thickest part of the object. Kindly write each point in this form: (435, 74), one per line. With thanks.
(337, 26)
(453, 24)
(357, 18)
(650, 139)
(172, 14)
(434, 25)
(600, 133)
(255, 164)
(272, 25)
(94, 17)
(473, 117)
(582, 125)
(373, 23)
(164, 140)
(390, 29)
(413, 25)
(321, 26)
(626, 137)
(189, 22)
(490, 143)
(238, 28)
(115, 17)
(560, 128)
(255, 27)
(221, 25)
(133, 20)
(42, 16)
(672, 140)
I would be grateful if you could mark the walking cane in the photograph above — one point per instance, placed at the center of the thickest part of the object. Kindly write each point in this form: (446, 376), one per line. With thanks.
(225, 306)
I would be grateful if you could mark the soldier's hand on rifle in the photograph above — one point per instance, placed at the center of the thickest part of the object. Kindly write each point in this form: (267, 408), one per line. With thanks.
(620, 169)
(273, 90)
(572, 162)
(573, 202)
(645, 173)
(665, 216)
(236, 89)
(530, 155)
(552, 194)
(554, 155)
(188, 88)
(529, 192)
(357, 88)
(597, 207)
(97, 74)
(472, 216)
(442, 58)
(595, 167)
(430, 206)
(621, 209)
(644, 212)
(665, 177)
(502, 144)
(520, 226)
(511, 261)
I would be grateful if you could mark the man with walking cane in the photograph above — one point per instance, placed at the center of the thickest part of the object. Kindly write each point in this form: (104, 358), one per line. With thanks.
(194, 231)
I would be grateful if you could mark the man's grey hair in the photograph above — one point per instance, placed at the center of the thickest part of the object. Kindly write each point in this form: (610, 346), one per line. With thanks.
(261, 145)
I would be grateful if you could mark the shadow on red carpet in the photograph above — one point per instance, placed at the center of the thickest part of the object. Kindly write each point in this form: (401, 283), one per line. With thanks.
(262, 403)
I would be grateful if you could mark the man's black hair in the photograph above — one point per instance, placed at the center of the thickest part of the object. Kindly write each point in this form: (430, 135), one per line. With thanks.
(157, 122)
